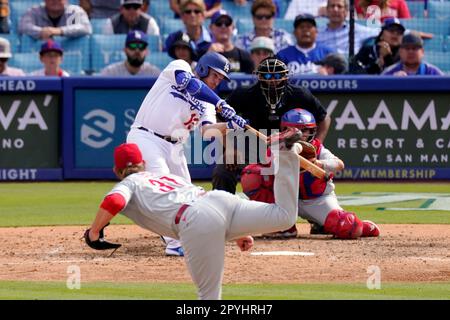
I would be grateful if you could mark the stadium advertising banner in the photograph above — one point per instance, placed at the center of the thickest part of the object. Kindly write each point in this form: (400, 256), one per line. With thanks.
(390, 136)
(29, 130)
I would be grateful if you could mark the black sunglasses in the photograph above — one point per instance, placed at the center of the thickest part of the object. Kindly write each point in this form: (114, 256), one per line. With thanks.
(134, 6)
(223, 23)
(3, 60)
(137, 45)
(263, 16)
(190, 11)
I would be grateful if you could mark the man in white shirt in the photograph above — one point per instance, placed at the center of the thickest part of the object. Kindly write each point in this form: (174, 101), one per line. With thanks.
(136, 51)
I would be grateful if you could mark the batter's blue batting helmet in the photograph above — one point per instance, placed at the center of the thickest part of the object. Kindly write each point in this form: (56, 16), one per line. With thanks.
(215, 61)
(301, 119)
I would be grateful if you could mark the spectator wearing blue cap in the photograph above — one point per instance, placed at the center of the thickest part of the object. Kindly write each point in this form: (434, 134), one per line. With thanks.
(136, 51)
(412, 59)
(131, 17)
(303, 57)
(222, 27)
(193, 16)
(51, 56)
(380, 52)
(55, 18)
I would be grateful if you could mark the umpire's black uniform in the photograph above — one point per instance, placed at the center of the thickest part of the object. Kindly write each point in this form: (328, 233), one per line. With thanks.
(251, 105)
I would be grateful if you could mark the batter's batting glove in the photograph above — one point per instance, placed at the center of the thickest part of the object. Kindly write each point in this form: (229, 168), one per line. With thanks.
(100, 243)
(236, 123)
(225, 110)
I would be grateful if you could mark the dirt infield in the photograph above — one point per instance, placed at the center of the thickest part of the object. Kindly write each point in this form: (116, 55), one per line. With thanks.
(403, 253)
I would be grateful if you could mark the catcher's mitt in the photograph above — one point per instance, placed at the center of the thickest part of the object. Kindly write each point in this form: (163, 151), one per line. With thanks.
(100, 243)
(309, 150)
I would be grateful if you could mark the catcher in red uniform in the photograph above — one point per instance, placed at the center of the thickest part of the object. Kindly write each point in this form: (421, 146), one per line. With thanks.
(317, 200)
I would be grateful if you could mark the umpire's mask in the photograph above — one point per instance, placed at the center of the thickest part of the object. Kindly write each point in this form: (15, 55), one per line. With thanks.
(272, 77)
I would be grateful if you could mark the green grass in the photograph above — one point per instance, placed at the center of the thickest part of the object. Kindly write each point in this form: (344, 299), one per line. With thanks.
(75, 203)
(181, 291)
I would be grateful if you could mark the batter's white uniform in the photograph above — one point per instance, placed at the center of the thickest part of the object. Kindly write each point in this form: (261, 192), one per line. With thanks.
(317, 209)
(212, 218)
(173, 113)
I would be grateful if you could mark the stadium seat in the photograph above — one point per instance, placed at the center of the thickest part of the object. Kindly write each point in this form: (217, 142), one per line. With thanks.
(171, 25)
(106, 49)
(439, 10)
(80, 45)
(13, 39)
(158, 9)
(437, 27)
(244, 25)
(287, 25)
(98, 25)
(236, 11)
(18, 9)
(72, 63)
(439, 59)
(416, 8)
(159, 59)
(435, 44)
(28, 61)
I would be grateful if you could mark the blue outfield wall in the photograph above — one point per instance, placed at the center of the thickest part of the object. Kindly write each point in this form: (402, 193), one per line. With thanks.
(383, 128)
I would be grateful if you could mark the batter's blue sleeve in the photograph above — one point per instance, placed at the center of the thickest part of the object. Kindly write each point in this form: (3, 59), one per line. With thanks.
(195, 87)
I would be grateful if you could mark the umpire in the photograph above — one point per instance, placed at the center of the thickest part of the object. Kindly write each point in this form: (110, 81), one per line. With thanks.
(262, 105)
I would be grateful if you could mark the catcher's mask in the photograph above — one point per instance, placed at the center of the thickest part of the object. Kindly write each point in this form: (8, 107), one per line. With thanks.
(301, 119)
(272, 77)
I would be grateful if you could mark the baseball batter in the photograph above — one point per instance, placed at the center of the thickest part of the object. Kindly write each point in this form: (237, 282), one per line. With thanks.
(169, 205)
(177, 103)
(317, 200)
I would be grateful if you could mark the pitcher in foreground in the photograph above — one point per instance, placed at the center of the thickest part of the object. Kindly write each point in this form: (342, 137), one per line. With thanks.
(169, 205)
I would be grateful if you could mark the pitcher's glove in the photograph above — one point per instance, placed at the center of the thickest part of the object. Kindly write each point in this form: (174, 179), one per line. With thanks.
(309, 151)
(101, 243)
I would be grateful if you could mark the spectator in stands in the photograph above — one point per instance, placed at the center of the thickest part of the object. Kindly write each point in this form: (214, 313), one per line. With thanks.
(4, 16)
(131, 17)
(100, 9)
(136, 51)
(334, 63)
(317, 8)
(335, 34)
(222, 27)
(55, 18)
(303, 57)
(411, 59)
(5, 55)
(211, 7)
(51, 56)
(388, 8)
(382, 51)
(193, 16)
(183, 48)
(263, 13)
(260, 49)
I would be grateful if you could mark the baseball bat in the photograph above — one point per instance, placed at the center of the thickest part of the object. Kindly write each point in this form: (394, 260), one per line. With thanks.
(304, 163)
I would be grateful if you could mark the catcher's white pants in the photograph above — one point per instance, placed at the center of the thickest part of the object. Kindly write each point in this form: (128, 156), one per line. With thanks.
(220, 216)
(161, 157)
(317, 209)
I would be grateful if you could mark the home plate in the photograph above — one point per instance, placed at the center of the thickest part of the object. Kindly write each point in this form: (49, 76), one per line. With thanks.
(282, 253)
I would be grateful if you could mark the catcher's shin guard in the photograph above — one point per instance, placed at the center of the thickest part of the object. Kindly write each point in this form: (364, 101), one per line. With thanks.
(343, 224)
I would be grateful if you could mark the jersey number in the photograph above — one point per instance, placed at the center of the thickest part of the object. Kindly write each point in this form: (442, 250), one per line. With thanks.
(165, 184)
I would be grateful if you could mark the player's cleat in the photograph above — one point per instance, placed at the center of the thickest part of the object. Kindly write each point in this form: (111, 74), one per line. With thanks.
(317, 229)
(179, 252)
(286, 234)
(370, 229)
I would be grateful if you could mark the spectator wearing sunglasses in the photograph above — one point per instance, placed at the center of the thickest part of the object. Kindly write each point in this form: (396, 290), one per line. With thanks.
(222, 30)
(211, 7)
(131, 17)
(55, 18)
(193, 16)
(136, 51)
(5, 55)
(303, 58)
(263, 14)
